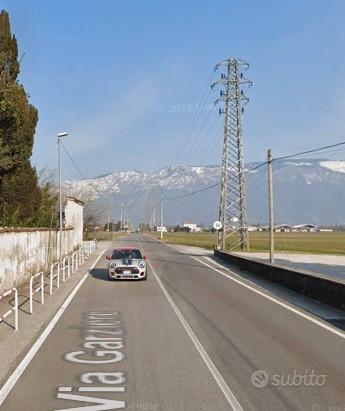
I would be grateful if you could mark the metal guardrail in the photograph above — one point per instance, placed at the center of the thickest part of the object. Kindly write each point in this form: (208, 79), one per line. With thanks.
(54, 275)
(13, 309)
(36, 290)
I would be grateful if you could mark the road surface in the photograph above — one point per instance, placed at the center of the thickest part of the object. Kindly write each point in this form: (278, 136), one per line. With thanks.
(192, 337)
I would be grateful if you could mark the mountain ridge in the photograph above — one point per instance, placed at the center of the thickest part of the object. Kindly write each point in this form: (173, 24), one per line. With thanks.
(305, 190)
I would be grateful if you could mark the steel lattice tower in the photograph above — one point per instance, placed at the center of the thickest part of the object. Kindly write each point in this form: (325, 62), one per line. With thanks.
(233, 204)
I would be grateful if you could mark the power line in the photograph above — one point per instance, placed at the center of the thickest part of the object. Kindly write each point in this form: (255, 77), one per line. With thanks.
(250, 170)
(298, 154)
(189, 150)
(194, 121)
(72, 161)
(212, 185)
(255, 167)
(193, 192)
(211, 146)
(309, 151)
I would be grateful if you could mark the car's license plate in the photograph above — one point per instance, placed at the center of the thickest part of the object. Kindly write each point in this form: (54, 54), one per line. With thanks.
(127, 272)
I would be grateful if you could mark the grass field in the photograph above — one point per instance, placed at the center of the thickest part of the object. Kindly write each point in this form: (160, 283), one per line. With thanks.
(310, 243)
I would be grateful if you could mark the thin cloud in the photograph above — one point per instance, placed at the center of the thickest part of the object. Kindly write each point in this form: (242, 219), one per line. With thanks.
(121, 116)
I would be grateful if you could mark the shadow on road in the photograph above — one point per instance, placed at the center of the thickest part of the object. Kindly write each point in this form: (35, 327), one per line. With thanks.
(189, 254)
(100, 274)
(141, 240)
(163, 260)
(22, 300)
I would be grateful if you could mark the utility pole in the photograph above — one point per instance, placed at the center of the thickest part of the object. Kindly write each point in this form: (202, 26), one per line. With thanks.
(109, 199)
(162, 219)
(121, 225)
(270, 201)
(233, 202)
(153, 218)
(112, 215)
(60, 136)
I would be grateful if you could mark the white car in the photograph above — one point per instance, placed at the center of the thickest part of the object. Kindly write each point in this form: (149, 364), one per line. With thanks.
(127, 264)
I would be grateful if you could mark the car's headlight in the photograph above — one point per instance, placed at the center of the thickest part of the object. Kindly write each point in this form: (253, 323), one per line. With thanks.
(112, 265)
(142, 264)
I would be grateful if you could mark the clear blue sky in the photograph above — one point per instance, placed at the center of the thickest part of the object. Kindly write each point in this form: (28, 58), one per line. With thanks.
(123, 77)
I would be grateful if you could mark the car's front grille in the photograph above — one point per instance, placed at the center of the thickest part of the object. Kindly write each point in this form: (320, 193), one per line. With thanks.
(120, 270)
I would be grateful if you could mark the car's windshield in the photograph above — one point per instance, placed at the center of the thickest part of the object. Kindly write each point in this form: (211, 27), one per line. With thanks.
(126, 254)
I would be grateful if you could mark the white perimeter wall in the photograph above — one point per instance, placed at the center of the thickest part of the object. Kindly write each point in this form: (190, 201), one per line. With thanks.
(23, 253)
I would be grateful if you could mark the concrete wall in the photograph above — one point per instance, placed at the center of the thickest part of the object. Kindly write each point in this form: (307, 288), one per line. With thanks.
(24, 252)
(320, 287)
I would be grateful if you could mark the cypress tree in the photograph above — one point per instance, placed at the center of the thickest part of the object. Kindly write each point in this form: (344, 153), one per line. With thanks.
(20, 194)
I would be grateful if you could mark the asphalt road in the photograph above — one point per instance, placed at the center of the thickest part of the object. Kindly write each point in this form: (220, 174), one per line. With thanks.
(189, 338)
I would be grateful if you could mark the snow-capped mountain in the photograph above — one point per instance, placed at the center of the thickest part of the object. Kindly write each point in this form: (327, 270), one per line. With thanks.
(310, 191)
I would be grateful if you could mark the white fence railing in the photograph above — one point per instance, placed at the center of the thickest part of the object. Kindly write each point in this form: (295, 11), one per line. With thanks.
(66, 268)
(74, 262)
(54, 276)
(70, 265)
(14, 309)
(34, 290)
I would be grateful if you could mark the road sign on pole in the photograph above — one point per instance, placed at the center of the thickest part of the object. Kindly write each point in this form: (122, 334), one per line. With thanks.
(217, 225)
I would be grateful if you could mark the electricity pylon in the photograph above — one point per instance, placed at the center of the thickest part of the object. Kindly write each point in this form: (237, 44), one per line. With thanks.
(233, 204)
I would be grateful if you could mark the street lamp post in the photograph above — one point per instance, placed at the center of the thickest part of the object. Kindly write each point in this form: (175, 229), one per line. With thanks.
(60, 136)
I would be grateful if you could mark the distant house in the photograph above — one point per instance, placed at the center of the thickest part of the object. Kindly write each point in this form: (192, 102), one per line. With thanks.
(253, 228)
(304, 228)
(74, 217)
(194, 228)
(286, 228)
(283, 228)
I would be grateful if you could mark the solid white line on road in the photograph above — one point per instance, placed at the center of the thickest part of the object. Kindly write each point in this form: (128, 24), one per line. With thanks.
(229, 395)
(301, 313)
(10, 383)
(240, 281)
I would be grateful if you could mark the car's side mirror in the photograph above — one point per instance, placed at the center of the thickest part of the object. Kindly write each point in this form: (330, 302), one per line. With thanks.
(146, 257)
(108, 257)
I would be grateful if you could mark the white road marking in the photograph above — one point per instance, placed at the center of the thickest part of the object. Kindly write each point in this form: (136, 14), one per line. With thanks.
(10, 383)
(229, 395)
(239, 280)
(301, 313)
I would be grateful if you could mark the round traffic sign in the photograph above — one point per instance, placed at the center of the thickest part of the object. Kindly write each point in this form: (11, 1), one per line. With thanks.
(217, 225)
